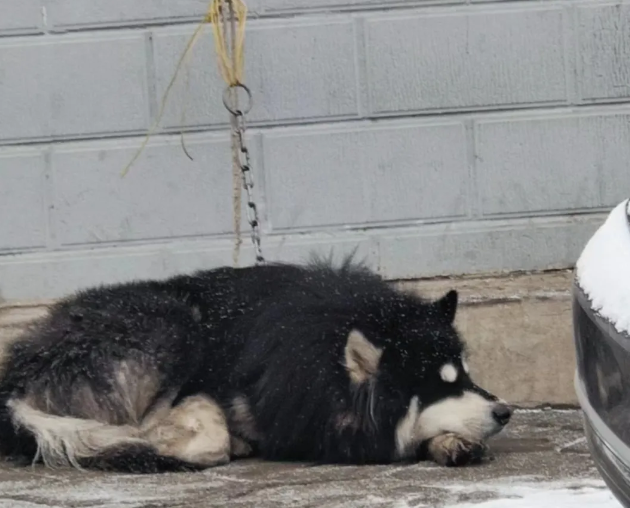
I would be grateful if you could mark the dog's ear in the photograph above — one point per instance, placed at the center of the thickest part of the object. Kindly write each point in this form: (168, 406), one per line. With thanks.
(361, 357)
(447, 306)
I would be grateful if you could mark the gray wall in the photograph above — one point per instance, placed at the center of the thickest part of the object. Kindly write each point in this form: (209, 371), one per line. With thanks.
(437, 137)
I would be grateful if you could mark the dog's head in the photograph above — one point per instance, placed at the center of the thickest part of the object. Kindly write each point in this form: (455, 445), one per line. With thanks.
(410, 362)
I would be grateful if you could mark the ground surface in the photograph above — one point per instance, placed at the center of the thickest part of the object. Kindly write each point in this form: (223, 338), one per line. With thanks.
(540, 462)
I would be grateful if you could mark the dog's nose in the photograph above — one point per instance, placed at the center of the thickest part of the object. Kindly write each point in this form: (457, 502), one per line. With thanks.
(502, 414)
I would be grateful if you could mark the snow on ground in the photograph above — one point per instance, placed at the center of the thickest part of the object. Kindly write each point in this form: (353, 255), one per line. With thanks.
(603, 270)
(530, 494)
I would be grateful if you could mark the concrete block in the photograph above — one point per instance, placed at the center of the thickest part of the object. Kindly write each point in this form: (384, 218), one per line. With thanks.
(400, 253)
(297, 249)
(164, 195)
(366, 175)
(523, 351)
(494, 246)
(75, 86)
(53, 276)
(465, 59)
(293, 6)
(572, 162)
(404, 256)
(603, 51)
(20, 17)
(100, 85)
(282, 249)
(66, 15)
(23, 204)
(296, 71)
(78, 14)
(14, 321)
(26, 91)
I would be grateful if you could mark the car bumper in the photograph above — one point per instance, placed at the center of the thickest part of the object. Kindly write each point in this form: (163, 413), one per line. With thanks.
(602, 344)
(611, 456)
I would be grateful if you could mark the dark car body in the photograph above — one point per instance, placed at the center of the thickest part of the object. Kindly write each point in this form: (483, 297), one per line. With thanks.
(602, 345)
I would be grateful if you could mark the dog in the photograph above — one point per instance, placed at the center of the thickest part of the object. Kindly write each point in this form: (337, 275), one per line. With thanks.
(314, 362)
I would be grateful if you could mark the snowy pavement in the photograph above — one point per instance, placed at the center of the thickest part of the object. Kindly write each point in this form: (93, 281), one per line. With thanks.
(541, 462)
(518, 493)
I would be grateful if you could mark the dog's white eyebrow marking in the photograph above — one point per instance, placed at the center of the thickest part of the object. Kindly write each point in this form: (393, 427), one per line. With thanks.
(465, 366)
(449, 373)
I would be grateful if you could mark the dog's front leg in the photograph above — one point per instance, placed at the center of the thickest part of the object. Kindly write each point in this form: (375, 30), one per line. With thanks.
(452, 450)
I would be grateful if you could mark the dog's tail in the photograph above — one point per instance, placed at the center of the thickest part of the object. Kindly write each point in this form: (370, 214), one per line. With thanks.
(63, 441)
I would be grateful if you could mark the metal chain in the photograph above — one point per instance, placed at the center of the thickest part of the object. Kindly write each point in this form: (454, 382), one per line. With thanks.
(248, 184)
(244, 163)
(231, 103)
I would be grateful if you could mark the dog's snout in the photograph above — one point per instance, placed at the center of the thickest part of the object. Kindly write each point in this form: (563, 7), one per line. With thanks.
(502, 414)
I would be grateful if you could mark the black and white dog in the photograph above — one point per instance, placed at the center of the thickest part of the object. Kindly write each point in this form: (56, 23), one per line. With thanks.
(311, 363)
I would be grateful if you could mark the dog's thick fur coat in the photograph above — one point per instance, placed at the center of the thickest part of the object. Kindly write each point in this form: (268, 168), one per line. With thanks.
(307, 363)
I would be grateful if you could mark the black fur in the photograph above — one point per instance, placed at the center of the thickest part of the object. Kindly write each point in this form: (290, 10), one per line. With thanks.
(273, 334)
(136, 459)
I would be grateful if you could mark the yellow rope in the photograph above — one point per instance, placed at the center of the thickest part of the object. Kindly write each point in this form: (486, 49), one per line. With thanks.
(232, 74)
(170, 86)
(232, 16)
(230, 65)
(237, 202)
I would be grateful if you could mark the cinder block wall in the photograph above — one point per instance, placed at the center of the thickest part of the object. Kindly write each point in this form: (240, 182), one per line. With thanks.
(435, 137)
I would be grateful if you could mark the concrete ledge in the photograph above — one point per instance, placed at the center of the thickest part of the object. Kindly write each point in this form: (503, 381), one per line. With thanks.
(518, 329)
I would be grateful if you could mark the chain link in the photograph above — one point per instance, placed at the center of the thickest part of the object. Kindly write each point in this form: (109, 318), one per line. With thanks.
(248, 180)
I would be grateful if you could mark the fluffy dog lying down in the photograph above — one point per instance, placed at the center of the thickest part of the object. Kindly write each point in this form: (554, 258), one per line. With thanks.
(310, 363)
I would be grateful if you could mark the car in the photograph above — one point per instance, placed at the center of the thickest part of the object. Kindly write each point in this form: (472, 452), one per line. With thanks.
(601, 330)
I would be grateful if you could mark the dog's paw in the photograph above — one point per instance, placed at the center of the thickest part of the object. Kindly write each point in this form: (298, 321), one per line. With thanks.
(451, 450)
